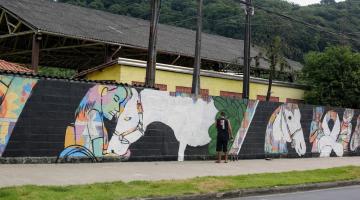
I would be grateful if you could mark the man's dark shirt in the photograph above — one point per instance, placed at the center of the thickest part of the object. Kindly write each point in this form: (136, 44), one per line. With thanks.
(222, 126)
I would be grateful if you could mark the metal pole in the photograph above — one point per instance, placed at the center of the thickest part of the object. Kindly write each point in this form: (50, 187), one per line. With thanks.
(197, 63)
(35, 53)
(108, 53)
(151, 63)
(246, 77)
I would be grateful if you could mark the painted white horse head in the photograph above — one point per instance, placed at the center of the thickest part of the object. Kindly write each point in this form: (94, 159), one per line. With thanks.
(129, 127)
(284, 127)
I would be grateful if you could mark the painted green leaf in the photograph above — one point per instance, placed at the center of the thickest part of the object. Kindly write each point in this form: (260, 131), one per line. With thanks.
(234, 110)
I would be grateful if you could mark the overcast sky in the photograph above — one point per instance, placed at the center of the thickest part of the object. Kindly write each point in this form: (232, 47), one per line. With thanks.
(307, 2)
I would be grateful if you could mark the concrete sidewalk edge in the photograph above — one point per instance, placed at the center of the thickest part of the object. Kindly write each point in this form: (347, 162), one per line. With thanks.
(259, 191)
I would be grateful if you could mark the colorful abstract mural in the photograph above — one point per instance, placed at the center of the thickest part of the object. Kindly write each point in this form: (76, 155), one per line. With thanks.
(346, 129)
(89, 120)
(316, 131)
(243, 130)
(87, 136)
(14, 93)
(284, 127)
(329, 134)
(355, 138)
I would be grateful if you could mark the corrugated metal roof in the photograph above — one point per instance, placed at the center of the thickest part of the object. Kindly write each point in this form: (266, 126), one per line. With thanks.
(79, 22)
(9, 66)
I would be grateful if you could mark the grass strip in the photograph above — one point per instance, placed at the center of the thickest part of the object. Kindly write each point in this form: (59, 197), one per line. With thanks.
(200, 185)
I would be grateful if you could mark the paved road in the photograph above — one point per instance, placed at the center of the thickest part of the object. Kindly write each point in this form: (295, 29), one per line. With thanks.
(345, 193)
(71, 174)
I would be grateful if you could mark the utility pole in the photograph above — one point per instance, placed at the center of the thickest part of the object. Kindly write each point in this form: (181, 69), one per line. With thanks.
(151, 63)
(246, 73)
(197, 62)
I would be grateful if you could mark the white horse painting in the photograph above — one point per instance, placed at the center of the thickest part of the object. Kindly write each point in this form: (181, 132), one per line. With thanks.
(284, 127)
(189, 119)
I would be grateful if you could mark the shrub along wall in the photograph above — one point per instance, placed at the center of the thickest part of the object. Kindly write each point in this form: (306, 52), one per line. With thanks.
(70, 119)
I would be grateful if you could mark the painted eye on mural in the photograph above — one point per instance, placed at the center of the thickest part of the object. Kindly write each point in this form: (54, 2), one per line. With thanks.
(127, 118)
(289, 117)
(116, 98)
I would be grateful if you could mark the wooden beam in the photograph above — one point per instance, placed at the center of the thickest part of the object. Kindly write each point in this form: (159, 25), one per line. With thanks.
(176, 59)
(35, 53)
(2, 15)
(15, 43)
(108, 57)
(51, 49)
(7, 23)
(116, 51)
(29, 26)
(17, 26)
(16, 34)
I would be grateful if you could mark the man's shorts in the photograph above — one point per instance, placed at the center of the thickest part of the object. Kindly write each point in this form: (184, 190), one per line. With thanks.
(221, 144)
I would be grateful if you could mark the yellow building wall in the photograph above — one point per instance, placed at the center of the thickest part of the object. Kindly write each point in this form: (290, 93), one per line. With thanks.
(127, 74)
(108, 73)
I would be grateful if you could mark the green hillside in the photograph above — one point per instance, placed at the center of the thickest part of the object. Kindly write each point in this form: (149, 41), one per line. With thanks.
(226, 17)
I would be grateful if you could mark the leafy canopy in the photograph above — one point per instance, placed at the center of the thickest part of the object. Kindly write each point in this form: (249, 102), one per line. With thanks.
(334, 77)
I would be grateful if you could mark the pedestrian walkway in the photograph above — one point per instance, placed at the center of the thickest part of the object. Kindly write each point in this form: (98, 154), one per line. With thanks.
(72, 174)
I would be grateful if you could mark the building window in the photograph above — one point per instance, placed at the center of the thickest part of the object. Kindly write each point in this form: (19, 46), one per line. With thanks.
(161, 87)
(297, 101)
(187, 90)
(230, 94)
(263, 98)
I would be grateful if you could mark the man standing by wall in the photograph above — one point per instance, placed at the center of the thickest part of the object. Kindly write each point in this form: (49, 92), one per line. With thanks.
(224, 133)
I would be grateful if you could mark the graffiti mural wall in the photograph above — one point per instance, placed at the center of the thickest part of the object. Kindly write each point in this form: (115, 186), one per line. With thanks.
(284, 127)
(70, 119)
(14, 93)
(87, 135)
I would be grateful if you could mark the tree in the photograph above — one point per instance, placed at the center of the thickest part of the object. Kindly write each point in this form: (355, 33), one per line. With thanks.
(97, 4)
(226, 18)
(334, 77)
(276, 57)
(327, 2)
(58, 72)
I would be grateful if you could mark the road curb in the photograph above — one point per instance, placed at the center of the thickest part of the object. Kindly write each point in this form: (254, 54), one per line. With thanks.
(259, 191)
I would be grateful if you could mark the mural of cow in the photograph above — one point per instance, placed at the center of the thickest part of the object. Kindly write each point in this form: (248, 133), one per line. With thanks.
(189, 118)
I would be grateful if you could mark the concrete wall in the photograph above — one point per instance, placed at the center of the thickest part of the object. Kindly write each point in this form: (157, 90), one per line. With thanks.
(65, 119)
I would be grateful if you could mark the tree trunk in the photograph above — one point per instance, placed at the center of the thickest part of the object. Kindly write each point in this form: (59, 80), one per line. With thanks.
(271, 76)
(268, 95)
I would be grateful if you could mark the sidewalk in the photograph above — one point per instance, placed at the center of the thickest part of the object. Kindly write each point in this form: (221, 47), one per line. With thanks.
(72, 174)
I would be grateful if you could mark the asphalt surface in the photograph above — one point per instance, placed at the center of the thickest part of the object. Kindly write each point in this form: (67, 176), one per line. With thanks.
(344, 193)
(74, 174)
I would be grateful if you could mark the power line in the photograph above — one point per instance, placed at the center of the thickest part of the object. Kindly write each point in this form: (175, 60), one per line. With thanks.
(284, 16)
(311, 26)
